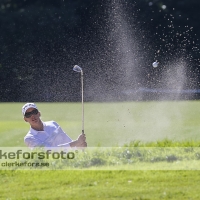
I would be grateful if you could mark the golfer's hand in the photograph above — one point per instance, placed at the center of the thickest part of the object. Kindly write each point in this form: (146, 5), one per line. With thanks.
(81, 141)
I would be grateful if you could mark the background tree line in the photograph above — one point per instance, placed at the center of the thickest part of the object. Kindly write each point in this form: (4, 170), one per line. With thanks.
(40, 41)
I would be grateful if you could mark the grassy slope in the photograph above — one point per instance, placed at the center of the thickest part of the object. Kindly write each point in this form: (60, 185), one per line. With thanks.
(51, 185)
(108, 124)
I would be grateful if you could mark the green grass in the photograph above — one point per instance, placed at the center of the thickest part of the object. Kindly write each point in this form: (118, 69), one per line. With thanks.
(108, 124)
(128, 185)
(129, 124)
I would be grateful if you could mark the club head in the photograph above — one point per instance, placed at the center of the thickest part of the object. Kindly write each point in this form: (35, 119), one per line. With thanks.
(76, 68)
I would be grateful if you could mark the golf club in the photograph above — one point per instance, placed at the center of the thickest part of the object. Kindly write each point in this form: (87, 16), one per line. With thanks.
(76, 68)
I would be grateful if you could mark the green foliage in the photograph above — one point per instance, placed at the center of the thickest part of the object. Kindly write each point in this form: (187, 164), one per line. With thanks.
(127, 158)
(164, 143)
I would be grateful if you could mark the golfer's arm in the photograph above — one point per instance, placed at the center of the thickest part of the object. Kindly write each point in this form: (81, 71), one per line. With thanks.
(69, 144)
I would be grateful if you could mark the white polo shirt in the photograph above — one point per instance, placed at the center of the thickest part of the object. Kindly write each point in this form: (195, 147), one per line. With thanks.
(52, 136)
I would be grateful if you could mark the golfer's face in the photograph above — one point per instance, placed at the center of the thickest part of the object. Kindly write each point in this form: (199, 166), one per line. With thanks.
(32, 116)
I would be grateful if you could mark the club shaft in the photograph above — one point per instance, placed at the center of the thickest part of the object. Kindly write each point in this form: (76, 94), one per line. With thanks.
(82, 102)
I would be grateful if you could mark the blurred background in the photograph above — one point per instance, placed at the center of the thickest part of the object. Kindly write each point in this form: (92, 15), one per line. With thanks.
(114, 41)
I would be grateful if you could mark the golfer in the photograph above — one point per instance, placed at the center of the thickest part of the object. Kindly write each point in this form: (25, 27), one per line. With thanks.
(47, 134)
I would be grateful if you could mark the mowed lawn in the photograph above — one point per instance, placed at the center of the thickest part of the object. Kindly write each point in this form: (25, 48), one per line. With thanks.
(86, 185)
(108, 124)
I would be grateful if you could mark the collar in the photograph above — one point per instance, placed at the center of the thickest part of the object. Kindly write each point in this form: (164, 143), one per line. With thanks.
(35, 132)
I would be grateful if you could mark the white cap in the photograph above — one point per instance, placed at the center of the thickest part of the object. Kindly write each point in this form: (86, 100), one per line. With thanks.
(27, 106)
